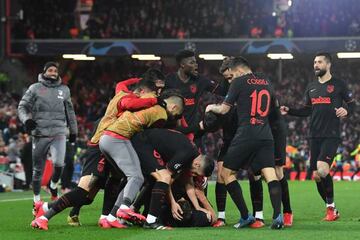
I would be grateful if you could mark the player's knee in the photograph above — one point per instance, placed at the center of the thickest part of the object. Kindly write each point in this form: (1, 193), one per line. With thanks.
(323, 172)
(257, 178)
(226, 175)
(60, 165)
(279, 172)
(316, 176)
(37, 173)
(138, 178)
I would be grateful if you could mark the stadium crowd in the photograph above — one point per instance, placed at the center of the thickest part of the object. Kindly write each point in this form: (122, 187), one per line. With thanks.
(192, 19)
(92, 86)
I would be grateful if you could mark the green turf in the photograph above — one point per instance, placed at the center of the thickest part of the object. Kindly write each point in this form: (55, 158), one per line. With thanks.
(308, 209)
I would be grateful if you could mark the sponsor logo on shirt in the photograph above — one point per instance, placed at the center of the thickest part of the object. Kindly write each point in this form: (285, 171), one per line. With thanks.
(255, 121)
(193, 88)
(255, 81)
(189, 101)
(177, 166)
(60, 92)
(330, 88)
(321, 100)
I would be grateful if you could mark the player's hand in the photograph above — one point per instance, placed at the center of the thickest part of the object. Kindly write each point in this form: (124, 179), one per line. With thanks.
(209, 107)
(341, 112)
(176, 211)
(30, 125)
(213, 217)
(207, 212)
(201, 125)
(284, 110)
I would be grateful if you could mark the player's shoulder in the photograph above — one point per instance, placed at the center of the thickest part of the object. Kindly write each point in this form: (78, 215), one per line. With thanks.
(261, 75)
(312, 84)
(171, 76)
(64, 87)
(338, 81)
(35, 86)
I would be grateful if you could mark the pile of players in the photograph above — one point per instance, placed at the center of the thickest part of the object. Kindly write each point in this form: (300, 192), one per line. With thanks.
(145, 150)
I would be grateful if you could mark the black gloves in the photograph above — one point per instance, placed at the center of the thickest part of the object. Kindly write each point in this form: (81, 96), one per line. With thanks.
(30, 125)
(72, 138)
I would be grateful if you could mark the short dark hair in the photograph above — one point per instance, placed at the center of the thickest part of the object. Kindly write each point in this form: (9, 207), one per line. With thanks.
(182, 54)
(238, 62)
(153, 74)
(326, 55)
(175, 96)
(209, 166)
(171, 92)
(50, 64)
(225, 64)
(186, 208)
(146, 84)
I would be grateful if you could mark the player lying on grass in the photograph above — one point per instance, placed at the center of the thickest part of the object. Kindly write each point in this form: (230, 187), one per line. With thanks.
(164, 154)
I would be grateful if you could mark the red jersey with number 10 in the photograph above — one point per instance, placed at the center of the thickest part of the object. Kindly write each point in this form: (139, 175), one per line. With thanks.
(254, 100)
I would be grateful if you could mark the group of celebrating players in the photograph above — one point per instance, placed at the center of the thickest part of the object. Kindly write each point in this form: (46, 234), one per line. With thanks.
(144, 151)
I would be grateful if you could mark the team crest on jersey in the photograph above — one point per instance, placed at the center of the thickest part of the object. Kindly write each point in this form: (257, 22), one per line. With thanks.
(330, 88)
(193, 88)
(60, 92)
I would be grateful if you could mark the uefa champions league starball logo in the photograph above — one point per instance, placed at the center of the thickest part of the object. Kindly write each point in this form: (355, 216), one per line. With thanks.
(350, 45)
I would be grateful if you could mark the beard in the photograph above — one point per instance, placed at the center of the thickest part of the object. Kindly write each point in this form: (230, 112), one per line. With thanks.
(52, 78)
(320, 72)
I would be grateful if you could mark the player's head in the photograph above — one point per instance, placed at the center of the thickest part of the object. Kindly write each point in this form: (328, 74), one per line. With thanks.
(51, 71)
(237, 67)
(202, 166)
(155, 76)
(174, 103)
(186, 208)
(187, 62)
(211, 122)
(144, 87)
(322, 64)
(224, 69)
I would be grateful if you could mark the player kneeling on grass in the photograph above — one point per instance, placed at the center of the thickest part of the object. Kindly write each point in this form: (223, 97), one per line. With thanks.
(190, 216)
(164, 154)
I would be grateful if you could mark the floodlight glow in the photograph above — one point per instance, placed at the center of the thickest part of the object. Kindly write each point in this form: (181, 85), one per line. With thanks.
(348, 55)
(67, 56)
(280, 56)
(212, 56)
(145, 57)
(84, 58)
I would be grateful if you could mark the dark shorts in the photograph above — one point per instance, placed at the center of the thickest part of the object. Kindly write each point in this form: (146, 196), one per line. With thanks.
(150, 159)
(280, 149)
(254, 154)
(322, 149)
(95, 163)
(223, 150)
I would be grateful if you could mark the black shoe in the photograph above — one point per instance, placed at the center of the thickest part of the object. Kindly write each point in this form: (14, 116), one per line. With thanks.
(156, 226)
(278, 223)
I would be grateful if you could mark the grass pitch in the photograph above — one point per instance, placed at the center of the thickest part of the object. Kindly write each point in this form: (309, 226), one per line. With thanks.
(307, 207)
